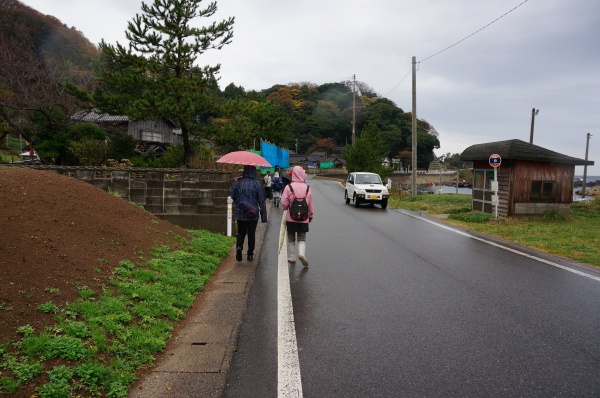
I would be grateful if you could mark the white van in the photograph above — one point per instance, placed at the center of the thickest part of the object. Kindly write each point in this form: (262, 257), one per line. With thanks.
(363, 187)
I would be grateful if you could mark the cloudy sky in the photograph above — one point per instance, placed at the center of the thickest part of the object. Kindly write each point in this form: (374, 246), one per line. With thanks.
(482, 65)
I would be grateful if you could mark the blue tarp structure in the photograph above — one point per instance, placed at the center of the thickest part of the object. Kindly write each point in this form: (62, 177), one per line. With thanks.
(277, 157)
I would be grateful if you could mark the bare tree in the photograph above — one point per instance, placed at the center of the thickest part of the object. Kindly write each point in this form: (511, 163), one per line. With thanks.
(32, 86)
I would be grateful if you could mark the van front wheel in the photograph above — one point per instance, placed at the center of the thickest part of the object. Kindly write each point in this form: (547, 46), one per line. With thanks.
(384, 203)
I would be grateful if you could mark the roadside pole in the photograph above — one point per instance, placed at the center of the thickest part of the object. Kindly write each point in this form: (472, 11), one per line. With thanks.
(414, 127)
(495, 189)
(495, 161)
(587, 146)
(457, 182)
(229, 211)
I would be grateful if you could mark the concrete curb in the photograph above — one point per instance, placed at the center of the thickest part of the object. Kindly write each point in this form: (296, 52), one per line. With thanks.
(197, 359)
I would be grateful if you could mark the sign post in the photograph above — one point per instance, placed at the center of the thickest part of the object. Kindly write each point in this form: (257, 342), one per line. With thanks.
(229, 214)
(495, 161)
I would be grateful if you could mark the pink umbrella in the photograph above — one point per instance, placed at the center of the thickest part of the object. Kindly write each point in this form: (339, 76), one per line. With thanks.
(245, 158)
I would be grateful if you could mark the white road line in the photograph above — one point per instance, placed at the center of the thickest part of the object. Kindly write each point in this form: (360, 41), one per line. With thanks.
(575, 271)
(289, 383)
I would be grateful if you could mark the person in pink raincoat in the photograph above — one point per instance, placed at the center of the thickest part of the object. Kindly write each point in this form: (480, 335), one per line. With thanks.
(297, 230)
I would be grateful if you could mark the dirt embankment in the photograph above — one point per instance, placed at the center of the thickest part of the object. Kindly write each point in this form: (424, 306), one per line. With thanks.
(58, 234)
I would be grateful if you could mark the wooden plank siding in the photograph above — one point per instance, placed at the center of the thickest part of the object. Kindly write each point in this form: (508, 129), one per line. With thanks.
(162, 130)
(504, 189)
(561, 174)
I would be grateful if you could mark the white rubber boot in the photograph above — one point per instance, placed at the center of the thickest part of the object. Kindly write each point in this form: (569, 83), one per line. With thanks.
(302, 253)
(292, 253)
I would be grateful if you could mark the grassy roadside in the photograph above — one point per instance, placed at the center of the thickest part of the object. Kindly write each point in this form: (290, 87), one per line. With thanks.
(575, 237)
(9, 151)
(99, 342)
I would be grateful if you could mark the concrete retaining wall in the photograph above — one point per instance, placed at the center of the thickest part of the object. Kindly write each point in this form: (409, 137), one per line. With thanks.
(538, 209)
(189, 198)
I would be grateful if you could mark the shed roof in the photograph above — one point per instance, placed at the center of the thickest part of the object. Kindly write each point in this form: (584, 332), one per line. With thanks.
(95, 117)
(519, 150)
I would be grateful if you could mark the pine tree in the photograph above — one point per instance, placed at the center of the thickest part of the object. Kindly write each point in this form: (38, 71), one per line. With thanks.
(156, 75)
(367, 153)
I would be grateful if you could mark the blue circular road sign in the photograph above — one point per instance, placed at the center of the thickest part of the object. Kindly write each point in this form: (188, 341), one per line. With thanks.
(495, 160)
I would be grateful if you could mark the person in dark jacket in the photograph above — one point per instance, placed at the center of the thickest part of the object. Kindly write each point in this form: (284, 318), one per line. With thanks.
(276, 188)
(247, 193)
(286, 176)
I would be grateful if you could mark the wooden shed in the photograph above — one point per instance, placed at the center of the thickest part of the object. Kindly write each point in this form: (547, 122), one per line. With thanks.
(149, 131)
(531, 179)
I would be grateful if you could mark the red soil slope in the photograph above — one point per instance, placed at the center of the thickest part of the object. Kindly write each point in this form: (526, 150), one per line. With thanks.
(58, 234)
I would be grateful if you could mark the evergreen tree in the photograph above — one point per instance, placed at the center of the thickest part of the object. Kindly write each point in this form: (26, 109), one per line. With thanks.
(367, 152)
(156, 75)
(244, 123)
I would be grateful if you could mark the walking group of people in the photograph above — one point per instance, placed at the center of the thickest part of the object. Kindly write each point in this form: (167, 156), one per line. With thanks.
(250, 198)
(274, 187)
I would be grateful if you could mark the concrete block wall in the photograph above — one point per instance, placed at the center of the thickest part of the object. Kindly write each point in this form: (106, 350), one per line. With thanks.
(539, 208)
(189, 198)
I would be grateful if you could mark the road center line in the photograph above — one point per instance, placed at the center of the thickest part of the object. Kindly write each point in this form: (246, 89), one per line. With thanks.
(575, 271)
(289, 383)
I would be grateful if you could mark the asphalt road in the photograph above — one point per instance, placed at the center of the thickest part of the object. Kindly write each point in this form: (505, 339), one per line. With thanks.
(395, 306)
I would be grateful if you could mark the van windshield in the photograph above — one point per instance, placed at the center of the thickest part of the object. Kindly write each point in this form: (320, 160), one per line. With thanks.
(367, 179)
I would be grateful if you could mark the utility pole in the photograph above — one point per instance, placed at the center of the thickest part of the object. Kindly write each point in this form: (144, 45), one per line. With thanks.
(353, 109)
(414, 127)
(587, 146)
(534, 112)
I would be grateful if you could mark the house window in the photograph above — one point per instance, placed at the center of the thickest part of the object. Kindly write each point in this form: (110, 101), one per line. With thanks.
(542, 190)
(151, 136)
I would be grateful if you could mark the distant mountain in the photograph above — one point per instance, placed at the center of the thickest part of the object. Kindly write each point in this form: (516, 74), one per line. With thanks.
(21, 25)
(38, 54)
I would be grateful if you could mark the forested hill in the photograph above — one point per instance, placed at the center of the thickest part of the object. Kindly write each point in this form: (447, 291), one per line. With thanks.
(23, 26)
(38, 54)
(322, 118)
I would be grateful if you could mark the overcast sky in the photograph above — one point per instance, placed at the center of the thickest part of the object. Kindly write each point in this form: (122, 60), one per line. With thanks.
(541, 54)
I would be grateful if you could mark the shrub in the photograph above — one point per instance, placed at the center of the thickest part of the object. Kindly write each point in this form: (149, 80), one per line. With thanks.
(554, 215)
(89, 151)
(48, 308)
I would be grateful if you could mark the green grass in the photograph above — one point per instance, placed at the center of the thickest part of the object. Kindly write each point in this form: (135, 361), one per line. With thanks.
(8, 158)
(10, 150)
(431, 203)
(575, 237)
(103, 339)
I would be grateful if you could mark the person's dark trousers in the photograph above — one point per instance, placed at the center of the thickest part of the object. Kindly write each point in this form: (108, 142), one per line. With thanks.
(246, 228)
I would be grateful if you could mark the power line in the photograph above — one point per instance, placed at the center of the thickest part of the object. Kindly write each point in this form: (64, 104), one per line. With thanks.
(474, 33)
(458, 42)
(388, 93)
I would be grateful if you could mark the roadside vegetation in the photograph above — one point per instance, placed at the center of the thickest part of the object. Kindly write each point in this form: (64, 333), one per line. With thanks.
(102, 340)
(575, 237)
(9, 150)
